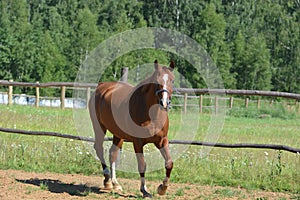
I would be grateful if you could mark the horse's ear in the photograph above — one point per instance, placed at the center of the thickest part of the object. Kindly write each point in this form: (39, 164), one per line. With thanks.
(172, 65)
(156, 65)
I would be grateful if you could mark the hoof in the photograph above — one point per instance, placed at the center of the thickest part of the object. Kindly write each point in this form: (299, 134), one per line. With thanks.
(147, 195)
(161, 190)
(108, 185)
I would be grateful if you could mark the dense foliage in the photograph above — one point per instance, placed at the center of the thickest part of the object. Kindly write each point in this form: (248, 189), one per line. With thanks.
(255, 44)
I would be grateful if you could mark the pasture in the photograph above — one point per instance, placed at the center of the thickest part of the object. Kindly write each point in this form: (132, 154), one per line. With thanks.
(252, 169)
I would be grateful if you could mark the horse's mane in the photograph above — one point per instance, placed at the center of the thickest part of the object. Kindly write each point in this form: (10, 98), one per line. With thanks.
(148, 80)
(143, 85)
(151, 80)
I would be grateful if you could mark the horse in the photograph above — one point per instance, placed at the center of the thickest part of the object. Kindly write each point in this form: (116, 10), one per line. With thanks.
(136, 114)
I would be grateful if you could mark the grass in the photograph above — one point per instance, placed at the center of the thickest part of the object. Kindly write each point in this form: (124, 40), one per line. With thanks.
(44, 186)
(180, 192)
(227, 193)
(247, 168)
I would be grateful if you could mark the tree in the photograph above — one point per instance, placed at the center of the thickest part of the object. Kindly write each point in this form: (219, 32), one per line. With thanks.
(6, 42)
(249, 41)
(22, 52)
(282, 32)
(252, 63)
(211, 35)
(116, 17)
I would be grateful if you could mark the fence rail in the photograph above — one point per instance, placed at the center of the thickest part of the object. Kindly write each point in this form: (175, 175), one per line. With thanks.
(50, 84)
(182, 142)
(183, 92)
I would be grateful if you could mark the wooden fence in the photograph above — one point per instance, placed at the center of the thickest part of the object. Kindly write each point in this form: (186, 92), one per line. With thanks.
(184, 93)
(62, 85)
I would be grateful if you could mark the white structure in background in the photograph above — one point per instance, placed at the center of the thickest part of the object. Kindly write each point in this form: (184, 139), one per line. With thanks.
(44, 101)
(3, 98)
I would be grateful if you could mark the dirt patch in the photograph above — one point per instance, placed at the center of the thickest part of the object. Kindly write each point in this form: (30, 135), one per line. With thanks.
(29, 185)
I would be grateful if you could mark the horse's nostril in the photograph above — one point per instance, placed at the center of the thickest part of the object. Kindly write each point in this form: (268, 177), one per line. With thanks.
(161, 102)
(169, 102)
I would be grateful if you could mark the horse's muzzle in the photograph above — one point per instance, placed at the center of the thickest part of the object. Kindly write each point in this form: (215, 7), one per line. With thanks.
(165, 101)
(165, 104)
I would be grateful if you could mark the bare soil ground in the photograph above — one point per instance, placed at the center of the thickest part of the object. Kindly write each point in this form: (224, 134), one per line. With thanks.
(16, 185)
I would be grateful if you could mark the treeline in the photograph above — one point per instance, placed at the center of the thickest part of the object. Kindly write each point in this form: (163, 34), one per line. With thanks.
(255, 44)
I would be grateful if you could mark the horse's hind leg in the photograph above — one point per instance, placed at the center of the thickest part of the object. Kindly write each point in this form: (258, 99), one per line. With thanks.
(114, 150)
(100, 131)
(99, 139)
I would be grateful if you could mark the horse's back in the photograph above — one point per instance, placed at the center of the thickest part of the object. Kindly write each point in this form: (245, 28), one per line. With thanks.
(108, 97)
(105, 91)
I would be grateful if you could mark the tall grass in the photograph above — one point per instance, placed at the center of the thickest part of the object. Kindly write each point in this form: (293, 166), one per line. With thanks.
(249, 168)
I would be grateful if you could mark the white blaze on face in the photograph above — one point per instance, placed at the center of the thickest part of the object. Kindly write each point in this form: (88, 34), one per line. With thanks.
(165, 94)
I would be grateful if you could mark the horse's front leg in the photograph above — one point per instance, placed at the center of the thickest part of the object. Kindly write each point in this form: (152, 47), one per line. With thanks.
(114, 150)
(138, 148)
(165, 152)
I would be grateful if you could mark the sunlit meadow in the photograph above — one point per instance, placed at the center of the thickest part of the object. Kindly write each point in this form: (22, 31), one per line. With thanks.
(249, 168)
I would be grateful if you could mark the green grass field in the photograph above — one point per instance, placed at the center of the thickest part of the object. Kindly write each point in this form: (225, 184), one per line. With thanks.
(248, 168)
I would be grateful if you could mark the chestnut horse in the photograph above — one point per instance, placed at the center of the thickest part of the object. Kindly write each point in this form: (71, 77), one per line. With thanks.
(135, 114)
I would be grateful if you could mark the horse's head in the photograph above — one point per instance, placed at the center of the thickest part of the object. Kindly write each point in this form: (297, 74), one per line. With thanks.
(164, 84)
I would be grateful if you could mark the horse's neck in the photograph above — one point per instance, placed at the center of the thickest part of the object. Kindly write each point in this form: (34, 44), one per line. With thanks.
(144, 96)
(147, 89)
(143, 105)
(146, 93)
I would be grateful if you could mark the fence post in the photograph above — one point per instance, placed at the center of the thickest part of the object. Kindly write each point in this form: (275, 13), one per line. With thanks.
(185, 102)
(88, 96)
(37, 95)
(62, 97)
(201, 103)
(246, 102)
(124, 74)
(231, 103)
(10, 93)
(216, 104)
(258, 103)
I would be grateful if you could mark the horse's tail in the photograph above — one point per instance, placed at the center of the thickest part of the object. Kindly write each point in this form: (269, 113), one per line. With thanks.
(93, 115)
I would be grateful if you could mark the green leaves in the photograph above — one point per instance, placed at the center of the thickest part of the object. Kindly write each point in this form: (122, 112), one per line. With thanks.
(254, 44)
(251, 63)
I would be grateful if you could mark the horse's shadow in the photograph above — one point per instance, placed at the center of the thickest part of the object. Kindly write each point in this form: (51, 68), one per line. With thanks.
(56, 186)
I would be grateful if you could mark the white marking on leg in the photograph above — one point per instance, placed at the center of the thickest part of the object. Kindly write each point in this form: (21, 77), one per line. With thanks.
(113, 172)
(143, 184)
(115, 183)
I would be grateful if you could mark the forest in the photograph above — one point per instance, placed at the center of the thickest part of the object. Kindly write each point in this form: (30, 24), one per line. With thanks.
(254, 43)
